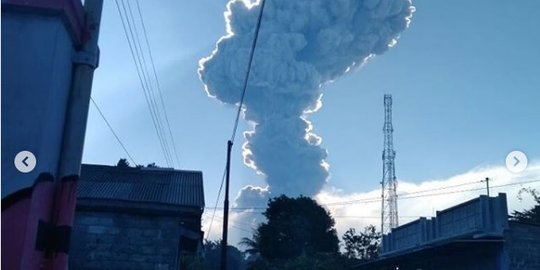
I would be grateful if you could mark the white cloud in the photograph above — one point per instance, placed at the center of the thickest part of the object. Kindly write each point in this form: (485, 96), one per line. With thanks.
(241, 224)
(423, 198)
(426, 197)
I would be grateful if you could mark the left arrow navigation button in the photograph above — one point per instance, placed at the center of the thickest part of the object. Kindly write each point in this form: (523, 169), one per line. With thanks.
(25, 161)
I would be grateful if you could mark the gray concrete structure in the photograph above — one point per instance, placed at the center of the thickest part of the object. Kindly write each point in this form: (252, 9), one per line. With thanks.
(129, 218)
(523, 246)
(37, 61)
(45, 45)
(474, 235)
(481, 217)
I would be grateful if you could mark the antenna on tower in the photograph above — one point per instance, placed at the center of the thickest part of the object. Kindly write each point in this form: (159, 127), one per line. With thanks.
(389, 210)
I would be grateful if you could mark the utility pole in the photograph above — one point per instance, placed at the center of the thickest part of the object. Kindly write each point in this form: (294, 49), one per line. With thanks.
(85, 62)
(487, 185)
(226, 209)
(389, 210)
(230, 144)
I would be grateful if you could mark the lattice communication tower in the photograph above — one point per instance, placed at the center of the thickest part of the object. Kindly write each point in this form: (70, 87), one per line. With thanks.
(389, 210)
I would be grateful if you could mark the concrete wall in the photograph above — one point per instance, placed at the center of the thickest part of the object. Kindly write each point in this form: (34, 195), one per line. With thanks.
(470, 261)
(37, 50)
(474, 235)
(461, 256)
(36, 71)
(482, 258)
(523, 246)
(480, 216)
(103, 240)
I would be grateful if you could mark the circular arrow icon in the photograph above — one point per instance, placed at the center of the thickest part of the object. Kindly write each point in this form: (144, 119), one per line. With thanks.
(25, 161)
(516, 161)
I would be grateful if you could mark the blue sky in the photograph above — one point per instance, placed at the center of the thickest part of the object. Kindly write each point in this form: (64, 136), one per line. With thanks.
(464, 78)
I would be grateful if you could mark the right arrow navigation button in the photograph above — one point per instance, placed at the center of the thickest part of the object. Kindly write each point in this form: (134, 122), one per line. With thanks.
(516, 161)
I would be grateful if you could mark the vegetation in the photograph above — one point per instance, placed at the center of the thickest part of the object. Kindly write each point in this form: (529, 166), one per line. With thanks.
(211, 258)
(363, 246)
(320, 261)
(124, 163)
(531, 215)
(295, 227)
(300, 234)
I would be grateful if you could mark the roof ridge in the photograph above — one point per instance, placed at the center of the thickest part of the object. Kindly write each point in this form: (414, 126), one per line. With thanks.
(144, 169)
(159, 186)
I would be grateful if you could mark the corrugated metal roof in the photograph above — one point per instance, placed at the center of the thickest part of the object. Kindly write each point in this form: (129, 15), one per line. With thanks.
(184, 188)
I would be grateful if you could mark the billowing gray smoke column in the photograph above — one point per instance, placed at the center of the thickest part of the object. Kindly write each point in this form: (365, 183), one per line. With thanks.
(302, 45)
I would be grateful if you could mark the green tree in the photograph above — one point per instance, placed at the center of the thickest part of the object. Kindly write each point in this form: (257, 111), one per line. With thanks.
(122, 163)
(363, 246)
(294, 227)
(212, 256)
(320, 261)
(152, 165)
(531, 215)
(252, 245)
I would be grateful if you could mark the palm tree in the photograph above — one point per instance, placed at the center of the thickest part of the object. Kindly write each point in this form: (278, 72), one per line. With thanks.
(252, 245)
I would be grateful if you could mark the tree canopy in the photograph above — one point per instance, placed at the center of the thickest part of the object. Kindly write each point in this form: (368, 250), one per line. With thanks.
(363, 246)
(531, 215)
(294, 227)
(123, 163)
(212, 260)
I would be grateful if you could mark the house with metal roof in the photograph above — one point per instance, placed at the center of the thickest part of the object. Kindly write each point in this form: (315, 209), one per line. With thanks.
(136, 218)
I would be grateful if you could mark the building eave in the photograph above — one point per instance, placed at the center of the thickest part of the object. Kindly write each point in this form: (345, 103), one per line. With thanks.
(137, 207)
(70, 11)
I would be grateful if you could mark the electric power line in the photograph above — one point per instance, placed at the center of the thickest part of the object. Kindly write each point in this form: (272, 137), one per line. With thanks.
(473, 189)
(215, 207)
(366, 200)
(148, 81)
(369, 199)
(406, 195)
(136, 61)
(260, 210)
(242, 228)
(158, 84)
(112, 130)
(403, 197)
(246, 80)
(248, 71)
(132, 42)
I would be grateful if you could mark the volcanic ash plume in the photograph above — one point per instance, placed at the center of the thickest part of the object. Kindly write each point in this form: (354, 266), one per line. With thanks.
(302, 45)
